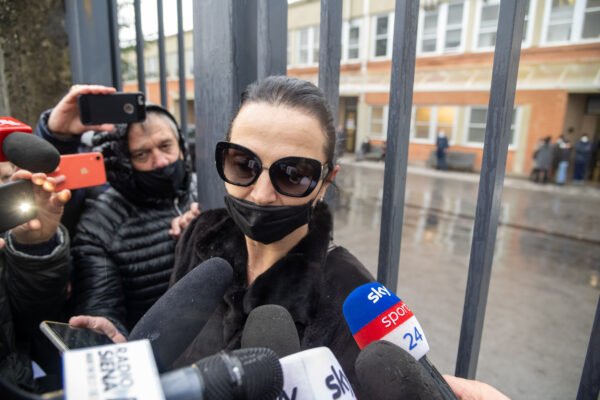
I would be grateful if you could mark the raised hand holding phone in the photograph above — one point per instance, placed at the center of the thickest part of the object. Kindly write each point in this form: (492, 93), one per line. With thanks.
(64, 120)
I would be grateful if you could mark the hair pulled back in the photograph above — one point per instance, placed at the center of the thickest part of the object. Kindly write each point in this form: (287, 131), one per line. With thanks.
(297, 94)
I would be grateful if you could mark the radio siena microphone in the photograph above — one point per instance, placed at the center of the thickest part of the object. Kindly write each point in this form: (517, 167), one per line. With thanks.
(180, 314)
(24, 149)
(273, 327)
(252, 373)
(374, 313)
(387, 372)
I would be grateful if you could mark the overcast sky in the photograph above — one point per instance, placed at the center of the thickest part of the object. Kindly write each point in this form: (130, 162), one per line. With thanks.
(150, 18)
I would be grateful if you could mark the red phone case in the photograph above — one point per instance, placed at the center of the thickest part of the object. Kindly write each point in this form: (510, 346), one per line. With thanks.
(80, 170)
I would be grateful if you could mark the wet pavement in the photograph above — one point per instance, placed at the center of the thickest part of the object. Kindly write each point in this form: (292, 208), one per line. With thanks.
(545, 276)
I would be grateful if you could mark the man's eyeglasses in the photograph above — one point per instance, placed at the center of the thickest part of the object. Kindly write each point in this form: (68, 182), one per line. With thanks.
(290, 176)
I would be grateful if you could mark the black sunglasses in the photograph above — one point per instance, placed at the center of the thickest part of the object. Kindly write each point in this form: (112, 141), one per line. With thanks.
(290, 176)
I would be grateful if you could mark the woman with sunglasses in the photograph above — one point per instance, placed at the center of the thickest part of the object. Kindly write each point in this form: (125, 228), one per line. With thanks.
(276, 162)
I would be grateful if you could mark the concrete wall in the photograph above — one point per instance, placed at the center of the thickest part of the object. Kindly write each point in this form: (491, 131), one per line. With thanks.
(34, 57)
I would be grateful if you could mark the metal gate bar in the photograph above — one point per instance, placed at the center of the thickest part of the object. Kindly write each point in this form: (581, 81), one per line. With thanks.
(182, 72)
(139, 46)
(161, 54)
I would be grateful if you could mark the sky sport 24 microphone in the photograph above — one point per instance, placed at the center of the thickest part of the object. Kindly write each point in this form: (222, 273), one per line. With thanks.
(27, 151)
(180, 314)
(387, 372)
(273, 327)
(374, 313)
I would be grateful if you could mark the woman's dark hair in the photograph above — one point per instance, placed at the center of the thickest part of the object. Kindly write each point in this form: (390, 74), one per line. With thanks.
(297, 94)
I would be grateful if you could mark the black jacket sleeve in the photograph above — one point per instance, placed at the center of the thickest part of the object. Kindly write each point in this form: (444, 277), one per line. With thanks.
(97, 288)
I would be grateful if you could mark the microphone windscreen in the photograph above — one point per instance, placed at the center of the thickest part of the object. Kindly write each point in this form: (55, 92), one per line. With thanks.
(242, 374)
(375, 313)
(30, 152)
(273, 327)
(387, 372)
(180, 314)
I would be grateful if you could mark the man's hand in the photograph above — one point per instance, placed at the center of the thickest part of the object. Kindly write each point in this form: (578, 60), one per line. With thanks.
(179, 224)
(100, 325)
(49, 207)
(64, 119)
(466, 389)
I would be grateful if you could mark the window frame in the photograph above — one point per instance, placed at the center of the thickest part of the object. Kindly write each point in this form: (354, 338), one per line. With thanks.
(433, 124)
(527, 35)
(577, 24)
(310, 47)
(442, 29)
(384, 122)
(517, 113)
(347, 25)
(389, 38)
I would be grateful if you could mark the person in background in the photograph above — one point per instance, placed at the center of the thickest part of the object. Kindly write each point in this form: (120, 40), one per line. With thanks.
(543, 161)
(563, 155)
(583, 150)
(6, 170)
(34, 260)
(441, 147)
(122, 250)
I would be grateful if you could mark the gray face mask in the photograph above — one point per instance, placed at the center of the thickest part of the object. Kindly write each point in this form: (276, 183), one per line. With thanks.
(267, 224)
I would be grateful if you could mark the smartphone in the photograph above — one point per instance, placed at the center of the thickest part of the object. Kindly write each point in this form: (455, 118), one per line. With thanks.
(17, 204)
(66, 337)
(80, 170)
(112, 108)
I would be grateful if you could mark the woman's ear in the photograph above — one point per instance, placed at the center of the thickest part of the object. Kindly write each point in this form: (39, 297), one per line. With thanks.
(327, 181)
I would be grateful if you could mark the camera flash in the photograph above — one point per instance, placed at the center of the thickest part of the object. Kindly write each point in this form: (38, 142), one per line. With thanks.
(25, 207)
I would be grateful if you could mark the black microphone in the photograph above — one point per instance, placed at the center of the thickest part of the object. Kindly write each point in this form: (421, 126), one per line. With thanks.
(30, 152)
(180, 314)
(242, 374)
(273, 327)
(387, 372)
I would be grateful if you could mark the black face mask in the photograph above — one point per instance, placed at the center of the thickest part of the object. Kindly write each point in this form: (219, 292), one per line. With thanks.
(267, 224)
(161, 182)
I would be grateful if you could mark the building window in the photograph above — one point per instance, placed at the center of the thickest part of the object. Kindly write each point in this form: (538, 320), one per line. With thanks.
(289, 48)
(487, 24)
(477, 117)
(571, 21)
(377, 122)
(151, 67)
(383, 27)
(308, 46)
(442, 28)
(431, 120)
(351, 40)
(189, 62)
(172, 65)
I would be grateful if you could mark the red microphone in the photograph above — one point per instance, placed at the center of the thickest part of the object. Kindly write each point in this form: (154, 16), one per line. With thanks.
(9, 125)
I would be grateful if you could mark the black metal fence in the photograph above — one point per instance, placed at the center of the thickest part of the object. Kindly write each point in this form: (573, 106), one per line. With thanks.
(239, 41)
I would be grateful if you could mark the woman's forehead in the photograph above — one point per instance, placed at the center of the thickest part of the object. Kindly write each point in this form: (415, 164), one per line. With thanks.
(275, 131)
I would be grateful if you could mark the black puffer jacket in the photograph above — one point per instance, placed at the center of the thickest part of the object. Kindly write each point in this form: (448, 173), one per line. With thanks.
(32, 288)
(311, 282)
(122, 251)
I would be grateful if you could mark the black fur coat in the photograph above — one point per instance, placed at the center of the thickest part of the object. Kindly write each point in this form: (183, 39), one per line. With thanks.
(310, 282)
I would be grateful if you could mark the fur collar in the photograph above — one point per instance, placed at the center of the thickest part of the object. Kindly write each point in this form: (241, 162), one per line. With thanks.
(293, 282)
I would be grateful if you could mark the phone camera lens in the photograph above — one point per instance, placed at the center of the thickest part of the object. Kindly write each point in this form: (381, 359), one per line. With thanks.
(97, 157)
(128, 108)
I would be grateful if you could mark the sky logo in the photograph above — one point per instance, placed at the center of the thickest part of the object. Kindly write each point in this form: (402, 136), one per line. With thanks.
(377, 293)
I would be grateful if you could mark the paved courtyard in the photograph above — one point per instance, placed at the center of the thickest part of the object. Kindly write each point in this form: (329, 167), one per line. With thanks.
(545, 276)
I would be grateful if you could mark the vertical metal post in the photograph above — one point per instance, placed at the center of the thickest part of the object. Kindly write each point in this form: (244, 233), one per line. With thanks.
(330, 52)
(115, 50)
(139, 46)
(91, 48)
(182, 72)
(224, 64)
(271, 46)
(398, 135)
(589, 386)
(161, 54)
(497, 137)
